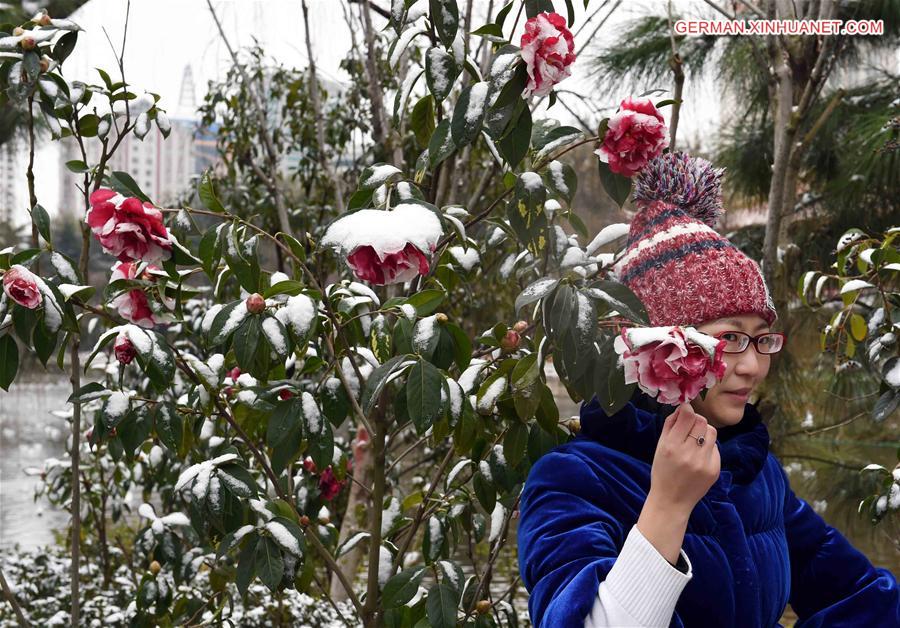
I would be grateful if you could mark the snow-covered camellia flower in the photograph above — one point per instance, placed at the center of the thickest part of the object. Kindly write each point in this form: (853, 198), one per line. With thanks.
(132, 305)
(127, 228)
(384, 247)
(636, 134)
(672, 364)
(548, 49)
(124, 348)
(21, 285)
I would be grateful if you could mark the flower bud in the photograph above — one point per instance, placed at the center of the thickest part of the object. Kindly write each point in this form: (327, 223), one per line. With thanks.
(18, 31)
(441, 318)
(520, 326)
(574, 425)
(285, 394)
(113, 432)
(234, 373)
(483, 607)
(44, 63)
(304, 520)
(124, 349)
(255, 303)
(510, 341)
(28, 43)
(155, 567)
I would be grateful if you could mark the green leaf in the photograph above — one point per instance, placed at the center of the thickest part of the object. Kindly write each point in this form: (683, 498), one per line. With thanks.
(123, 183)
(9, 361)
(886, 405)
(423, 395)
(441, 605)
(533, 7)
(295, 531)
(561, 179)
(269, 564)
(485, 492)
(208, 194)
(375, 382)
(220, 329)
(427, 301)
(468, 114)
(616, 186)
(491, 32)
(169, 427)
(64, 46)
(441, 73)
(514, 443)
(252, 354)
(376, 175)
(401, 588)
(44, 342)
(77, 166)
(619, 297)
(441, 145)
(445, 17)
(421, 120)
(285, 419)
(246, 567)
(238, 480)
(535, 291)
(570, 12)
(87, 392)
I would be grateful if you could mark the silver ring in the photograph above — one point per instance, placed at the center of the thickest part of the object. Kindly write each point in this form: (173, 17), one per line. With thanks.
(700, 439)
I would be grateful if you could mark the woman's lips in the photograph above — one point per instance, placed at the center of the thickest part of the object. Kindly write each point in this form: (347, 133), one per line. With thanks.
(741, 394)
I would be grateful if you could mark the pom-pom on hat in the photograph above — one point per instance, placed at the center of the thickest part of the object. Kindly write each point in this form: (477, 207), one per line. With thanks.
(677, 264)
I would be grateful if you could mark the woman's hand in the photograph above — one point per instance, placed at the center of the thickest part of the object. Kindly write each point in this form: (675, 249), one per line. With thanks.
(682, 471)
(681, 474)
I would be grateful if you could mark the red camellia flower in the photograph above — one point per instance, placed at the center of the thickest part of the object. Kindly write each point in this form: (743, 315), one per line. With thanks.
(391, 268)
(133, 305)
(127, 228)
(671, 363)
(124, 348)
(385, 247)
(22, 286)
(548, 49)
(636, 134)
(329, 485)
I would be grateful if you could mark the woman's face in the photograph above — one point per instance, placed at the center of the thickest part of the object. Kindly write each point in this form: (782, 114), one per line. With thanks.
(724, 403)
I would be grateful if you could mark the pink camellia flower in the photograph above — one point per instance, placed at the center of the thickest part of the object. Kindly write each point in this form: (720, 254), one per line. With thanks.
(385, 247)
(127, 228)
(22, 286)
(548, 49)
(124, 348)
(671, 363)
(636, 134)
(329, 485)
(133, 305)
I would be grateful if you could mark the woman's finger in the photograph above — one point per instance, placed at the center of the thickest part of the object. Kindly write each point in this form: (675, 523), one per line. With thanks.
(711, 436)
(670, 421)
(698, 428)
(683, 423)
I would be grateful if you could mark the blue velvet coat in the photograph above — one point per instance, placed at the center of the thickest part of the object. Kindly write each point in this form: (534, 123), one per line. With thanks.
(754, 546)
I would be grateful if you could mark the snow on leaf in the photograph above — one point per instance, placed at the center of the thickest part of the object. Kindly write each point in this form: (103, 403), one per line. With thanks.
(283, 537)
(609, 233)
(855, 284)
(351, 543)
(466, 258)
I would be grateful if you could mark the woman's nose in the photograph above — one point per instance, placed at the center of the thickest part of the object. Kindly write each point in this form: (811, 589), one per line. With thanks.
(748, 362)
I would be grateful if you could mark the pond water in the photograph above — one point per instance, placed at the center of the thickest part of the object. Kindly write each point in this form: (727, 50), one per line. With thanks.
(29, 433)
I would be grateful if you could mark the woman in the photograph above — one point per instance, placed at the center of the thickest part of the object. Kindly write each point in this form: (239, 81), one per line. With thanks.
(662, 516)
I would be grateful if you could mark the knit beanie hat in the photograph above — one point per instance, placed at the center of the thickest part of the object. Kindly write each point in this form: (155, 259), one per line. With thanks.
(683, 271)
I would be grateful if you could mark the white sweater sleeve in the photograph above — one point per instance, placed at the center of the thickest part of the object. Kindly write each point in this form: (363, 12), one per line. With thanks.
(641, 589)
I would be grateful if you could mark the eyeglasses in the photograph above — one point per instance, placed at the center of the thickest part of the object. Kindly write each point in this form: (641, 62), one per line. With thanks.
(738, 341)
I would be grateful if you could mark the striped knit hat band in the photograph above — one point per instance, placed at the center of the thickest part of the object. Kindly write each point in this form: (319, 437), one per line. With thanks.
(683, 271)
